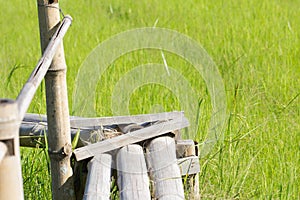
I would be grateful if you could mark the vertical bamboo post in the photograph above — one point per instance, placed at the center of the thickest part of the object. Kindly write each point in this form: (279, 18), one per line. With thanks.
(193, 181)
(59, 137)
(11, 184)
(185, 149)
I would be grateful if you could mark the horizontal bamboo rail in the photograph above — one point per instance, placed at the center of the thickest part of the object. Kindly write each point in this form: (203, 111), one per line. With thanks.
(34, 126)
(79, 122)
(138, 119)
(130, 138)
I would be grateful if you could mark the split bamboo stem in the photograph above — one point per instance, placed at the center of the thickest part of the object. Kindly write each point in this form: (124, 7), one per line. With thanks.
(59, 137)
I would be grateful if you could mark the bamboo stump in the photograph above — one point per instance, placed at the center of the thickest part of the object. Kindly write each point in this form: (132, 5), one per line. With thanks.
(133, 179)
(98, 178)
(163, 168)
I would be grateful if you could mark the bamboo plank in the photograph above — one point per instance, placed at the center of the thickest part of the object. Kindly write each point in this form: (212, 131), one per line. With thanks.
(98, 178)
(189, 165)
(133, 181)
(130, 138)
(163, 169)
(185, 148)
(138, 119)
(34, 126)
(33, 117)
(97, 123)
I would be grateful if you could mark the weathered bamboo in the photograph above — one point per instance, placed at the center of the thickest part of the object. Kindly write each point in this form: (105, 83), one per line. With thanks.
(59, 137)
(133, 181)
(130, 138)
(190, 167)
(194, 189)
(34, 126)
(33, 133)
(185, 148)
(79, 122)
(98, 178)
(163, 168)
(32, 117)
(11, 184)
(36, 77)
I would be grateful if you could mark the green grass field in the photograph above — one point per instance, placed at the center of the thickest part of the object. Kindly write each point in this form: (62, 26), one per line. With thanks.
(255, 45)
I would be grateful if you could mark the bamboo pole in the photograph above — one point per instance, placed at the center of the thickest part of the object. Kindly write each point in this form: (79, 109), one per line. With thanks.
(11, 184)
(59, 137)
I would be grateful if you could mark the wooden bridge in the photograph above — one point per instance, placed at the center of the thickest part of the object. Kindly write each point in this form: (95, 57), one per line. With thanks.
(140, 152)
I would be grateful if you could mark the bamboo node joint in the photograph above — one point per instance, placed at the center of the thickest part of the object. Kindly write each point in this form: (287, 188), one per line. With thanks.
(66, 150)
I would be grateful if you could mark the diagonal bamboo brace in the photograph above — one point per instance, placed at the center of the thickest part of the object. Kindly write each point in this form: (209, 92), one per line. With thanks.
(39, 72)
